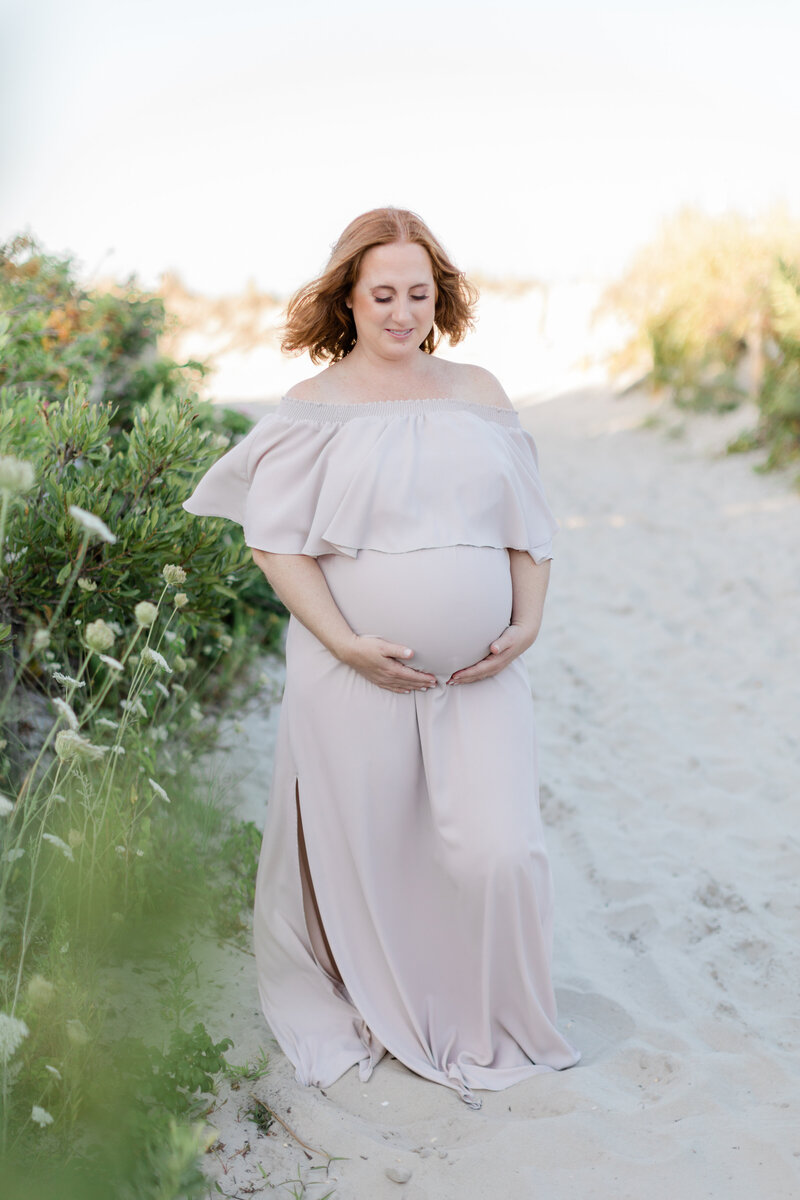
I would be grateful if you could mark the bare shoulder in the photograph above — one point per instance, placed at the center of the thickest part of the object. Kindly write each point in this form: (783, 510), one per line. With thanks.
(317, 388)
(479, 385)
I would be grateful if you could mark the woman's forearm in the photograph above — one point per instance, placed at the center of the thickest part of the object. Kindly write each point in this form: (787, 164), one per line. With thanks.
(298, 582)
(529, 582)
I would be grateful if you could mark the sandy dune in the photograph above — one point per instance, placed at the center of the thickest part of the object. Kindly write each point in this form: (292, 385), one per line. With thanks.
(665, 681)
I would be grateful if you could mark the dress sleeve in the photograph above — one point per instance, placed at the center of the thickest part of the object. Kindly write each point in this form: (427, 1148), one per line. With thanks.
(271, 483)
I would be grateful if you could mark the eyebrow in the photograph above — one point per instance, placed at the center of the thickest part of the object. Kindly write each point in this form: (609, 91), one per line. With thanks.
(390, 287)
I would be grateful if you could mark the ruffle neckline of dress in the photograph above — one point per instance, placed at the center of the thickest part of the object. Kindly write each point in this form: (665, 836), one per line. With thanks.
(322, 411)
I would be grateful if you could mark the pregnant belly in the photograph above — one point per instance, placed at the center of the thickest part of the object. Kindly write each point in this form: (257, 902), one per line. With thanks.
(447, 604)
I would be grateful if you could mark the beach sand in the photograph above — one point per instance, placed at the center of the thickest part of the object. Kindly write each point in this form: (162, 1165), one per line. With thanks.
(665, 687)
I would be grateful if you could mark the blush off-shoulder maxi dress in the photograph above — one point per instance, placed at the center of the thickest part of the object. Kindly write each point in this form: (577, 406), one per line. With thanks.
(404, 900)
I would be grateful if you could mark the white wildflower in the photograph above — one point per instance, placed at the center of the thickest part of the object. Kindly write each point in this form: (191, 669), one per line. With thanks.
(91, 523)
(53, 1070)
(16, 475)
(114, 663)
(107, 723)
(13, 855)
(62, 846)
(159, 791)
(40, 991)
(41, 1116)
(41, 639)
(67, 679)
(173, 574)
(77, 1032)
(180, 599)
(70, 744)
(12, 1033)
(163, 689)
(66, 711)
(99, 636)
(6, 805)
(149, 655)
(145, 613)
(87, 585)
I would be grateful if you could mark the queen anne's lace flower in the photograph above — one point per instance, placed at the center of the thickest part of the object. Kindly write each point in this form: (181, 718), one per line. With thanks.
(145, 613)
(62, 846)
(99, 636)
(91, 523)
(67, 679)
(12, 1033)
(77, 1032)
(173, 574)
(149, 655)
(40, 990)
(159, 791)
(114, 663)
(16, 475)
(66, 711)
(70, 744)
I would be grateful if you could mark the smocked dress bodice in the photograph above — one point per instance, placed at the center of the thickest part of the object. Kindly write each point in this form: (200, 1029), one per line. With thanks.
(317, 478)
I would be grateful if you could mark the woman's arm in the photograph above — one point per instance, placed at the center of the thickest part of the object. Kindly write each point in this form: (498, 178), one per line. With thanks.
(529, 582)
(297, 580)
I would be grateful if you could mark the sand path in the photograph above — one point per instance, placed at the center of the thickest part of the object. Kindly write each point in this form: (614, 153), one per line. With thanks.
(665, 682)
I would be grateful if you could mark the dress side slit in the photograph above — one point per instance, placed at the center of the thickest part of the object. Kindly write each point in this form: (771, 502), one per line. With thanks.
(316, 930)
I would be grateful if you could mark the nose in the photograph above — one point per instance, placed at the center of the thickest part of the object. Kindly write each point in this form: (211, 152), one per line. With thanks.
(401, 314)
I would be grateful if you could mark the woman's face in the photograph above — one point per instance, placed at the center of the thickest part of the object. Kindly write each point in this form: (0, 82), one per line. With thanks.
(394, 300)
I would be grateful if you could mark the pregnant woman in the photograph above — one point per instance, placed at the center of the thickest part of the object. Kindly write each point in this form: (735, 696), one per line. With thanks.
(404, 901)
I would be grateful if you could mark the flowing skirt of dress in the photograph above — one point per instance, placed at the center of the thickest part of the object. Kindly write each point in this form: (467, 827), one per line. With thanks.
(404, 900)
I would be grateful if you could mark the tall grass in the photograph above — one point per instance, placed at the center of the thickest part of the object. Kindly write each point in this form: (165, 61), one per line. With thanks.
(713, 305)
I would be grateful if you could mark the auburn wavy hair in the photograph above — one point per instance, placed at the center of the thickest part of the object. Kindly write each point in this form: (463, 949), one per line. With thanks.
(319, 321)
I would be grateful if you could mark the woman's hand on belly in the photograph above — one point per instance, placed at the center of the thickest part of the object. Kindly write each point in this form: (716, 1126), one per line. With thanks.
(513, 641)
(377, 660)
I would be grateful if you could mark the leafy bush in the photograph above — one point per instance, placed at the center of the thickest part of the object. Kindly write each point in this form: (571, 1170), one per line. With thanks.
(119, 613)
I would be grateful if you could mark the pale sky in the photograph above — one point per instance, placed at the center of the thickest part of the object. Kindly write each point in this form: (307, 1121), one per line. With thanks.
(233, 141)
